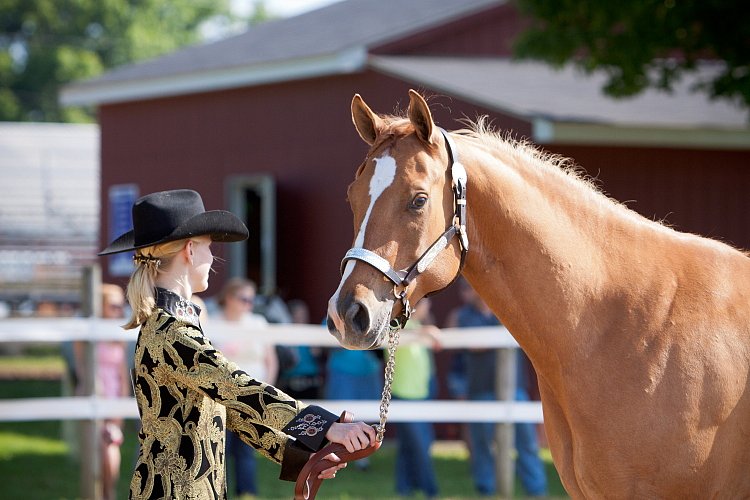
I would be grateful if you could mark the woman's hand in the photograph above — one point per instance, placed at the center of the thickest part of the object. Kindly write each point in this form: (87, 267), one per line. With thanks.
(354, 436)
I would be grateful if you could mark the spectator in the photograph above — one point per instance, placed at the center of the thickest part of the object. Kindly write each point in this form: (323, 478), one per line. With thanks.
(478, 382)
(301, 376)
(273, 308)
(258, 358)
(412, 381)
(112, 382)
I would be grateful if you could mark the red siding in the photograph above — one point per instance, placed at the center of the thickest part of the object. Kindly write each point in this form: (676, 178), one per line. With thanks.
(697, 191)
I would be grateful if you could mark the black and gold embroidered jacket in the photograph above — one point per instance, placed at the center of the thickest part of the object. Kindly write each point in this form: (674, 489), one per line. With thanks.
(189, 395)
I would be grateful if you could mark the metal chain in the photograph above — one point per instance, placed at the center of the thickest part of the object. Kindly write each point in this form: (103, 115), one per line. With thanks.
(385, 400)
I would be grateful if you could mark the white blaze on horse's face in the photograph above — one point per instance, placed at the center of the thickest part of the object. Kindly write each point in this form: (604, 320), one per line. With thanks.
(382, 178)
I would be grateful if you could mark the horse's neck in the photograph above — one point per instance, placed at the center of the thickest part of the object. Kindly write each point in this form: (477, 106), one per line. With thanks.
(545, 249)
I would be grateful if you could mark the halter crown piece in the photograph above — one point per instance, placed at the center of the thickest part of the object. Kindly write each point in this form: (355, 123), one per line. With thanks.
(402, 279)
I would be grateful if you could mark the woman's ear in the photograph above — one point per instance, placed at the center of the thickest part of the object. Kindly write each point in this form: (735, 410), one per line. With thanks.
(187, 251)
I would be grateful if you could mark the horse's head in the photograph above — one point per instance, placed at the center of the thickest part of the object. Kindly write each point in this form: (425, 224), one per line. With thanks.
(404, 196)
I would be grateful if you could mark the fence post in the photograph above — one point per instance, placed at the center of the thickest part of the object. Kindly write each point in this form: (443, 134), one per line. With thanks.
(91, 428)
(505, 386)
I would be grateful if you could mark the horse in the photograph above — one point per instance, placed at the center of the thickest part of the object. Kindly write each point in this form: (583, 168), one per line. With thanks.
(639, 334)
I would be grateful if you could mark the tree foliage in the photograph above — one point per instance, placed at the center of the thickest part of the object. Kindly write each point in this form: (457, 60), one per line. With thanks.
(45, 44)
(643, 43)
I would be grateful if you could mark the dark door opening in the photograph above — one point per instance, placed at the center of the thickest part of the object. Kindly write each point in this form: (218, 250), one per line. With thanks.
(254, 199)
(254, 221)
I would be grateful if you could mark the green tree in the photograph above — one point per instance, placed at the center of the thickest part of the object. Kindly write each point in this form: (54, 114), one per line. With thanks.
(45, 44)
(643, 43)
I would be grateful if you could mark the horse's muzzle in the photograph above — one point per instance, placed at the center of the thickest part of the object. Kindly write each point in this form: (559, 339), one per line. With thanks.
(361, 328)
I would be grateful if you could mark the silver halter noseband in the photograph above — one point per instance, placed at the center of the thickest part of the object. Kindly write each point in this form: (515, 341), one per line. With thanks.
(402, 279)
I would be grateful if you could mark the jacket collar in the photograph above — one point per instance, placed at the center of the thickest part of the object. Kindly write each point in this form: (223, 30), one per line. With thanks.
(177, 306)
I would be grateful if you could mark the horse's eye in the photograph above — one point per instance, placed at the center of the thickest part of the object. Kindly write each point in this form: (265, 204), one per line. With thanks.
(419, 201)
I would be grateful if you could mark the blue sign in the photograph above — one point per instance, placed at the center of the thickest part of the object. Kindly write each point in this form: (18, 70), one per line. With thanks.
(121, 200)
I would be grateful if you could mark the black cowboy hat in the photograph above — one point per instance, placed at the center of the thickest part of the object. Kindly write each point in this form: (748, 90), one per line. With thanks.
(175, 215)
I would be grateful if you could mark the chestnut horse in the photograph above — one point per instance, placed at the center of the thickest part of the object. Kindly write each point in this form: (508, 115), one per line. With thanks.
(640, 334)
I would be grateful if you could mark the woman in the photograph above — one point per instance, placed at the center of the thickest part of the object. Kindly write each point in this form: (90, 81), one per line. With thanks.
(255, 356)
(112, 382)
(187, 392)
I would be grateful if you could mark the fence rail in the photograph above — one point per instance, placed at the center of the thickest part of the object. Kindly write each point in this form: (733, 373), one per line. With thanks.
(56, 330)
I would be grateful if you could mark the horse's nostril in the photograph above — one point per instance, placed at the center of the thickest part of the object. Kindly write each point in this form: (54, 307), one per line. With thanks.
(358, 317)
(330, 324)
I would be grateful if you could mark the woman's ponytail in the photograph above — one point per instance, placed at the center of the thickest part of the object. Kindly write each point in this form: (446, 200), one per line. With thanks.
(149, 262)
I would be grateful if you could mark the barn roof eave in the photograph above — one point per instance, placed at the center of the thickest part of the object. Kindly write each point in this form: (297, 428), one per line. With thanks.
(550, 132)
(95, 93)
(564, 107)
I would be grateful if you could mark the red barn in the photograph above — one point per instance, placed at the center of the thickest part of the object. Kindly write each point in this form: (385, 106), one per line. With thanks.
(259, 124)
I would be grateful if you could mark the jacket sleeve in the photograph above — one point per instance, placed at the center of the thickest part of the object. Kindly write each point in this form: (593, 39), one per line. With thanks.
(277, 425)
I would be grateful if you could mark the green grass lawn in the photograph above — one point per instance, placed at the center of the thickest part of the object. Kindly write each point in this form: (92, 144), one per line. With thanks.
(36, 463)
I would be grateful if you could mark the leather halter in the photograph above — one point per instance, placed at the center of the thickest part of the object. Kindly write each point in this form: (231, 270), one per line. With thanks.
(402, 279)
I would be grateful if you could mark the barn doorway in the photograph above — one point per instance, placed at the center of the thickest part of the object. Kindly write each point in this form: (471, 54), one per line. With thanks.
(253, 199)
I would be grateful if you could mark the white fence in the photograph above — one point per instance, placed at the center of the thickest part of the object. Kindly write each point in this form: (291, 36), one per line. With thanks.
(92, 408)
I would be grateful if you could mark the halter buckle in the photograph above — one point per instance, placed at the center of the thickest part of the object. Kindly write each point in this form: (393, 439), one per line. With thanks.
(400, 321)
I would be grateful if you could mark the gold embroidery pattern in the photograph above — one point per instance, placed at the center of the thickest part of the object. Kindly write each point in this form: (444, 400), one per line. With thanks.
(187, 392)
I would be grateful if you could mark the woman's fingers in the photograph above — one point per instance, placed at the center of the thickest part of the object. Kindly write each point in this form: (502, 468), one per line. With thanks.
(354, 436)
(360, 437)
(372, 435)
(330, 473)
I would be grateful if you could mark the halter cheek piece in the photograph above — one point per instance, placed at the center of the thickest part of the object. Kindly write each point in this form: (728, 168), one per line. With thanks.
(402, 279)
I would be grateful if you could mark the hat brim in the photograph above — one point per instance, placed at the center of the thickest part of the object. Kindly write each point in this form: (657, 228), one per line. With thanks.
(220, 225)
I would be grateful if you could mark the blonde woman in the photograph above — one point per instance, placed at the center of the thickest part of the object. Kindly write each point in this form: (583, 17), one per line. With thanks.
(188, 393)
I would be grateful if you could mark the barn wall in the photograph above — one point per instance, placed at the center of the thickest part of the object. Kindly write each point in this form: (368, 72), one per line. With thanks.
(299, 132)
(697, 191)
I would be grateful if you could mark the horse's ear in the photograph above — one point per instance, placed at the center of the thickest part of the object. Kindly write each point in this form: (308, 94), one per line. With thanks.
(367, 123)
(420, 116)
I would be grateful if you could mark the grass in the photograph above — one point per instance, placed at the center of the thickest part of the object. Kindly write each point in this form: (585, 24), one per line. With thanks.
(37, 450)
(32, 367)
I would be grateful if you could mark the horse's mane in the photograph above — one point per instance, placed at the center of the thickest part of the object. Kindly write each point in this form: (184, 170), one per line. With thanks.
(501, 145)
(481, 131)
(505, 144)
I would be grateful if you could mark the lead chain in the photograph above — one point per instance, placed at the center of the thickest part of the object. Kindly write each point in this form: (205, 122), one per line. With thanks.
(390, 366)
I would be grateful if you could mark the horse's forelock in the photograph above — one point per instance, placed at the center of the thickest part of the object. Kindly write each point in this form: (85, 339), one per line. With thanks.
(397, 127)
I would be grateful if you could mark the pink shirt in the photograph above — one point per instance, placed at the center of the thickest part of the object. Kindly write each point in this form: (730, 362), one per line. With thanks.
(110, 357)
